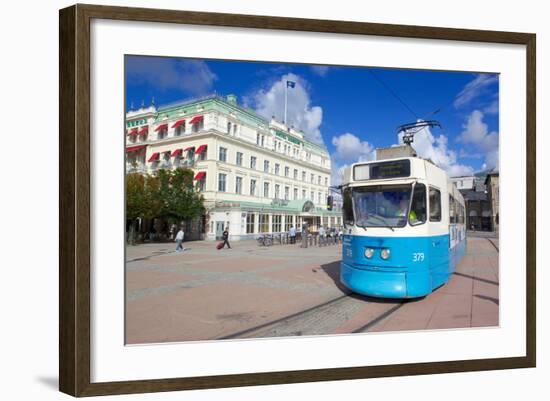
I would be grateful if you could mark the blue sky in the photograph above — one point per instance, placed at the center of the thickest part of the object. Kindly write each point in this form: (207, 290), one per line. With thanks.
(351, 110)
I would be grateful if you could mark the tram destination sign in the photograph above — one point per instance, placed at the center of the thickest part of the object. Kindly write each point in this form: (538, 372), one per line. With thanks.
(382, 170)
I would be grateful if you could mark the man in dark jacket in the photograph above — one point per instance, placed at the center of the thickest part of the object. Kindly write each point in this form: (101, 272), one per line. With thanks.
(225, 236)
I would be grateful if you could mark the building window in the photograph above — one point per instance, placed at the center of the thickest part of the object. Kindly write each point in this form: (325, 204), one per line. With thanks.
(250, 220)
(202, 155)
(263, 225)
(295, 174)
(266, 189)
(319, 180)
(262, 139)
(277, 167)
(239, 160)
(199, 125)
(319, 198)
(303, 175)
(287, 190)
(312, 178)
(253, 162)
(163, 133)
(221, 182)
(257, 139)
(234, 129)
(180, 130)
(287, 171)
(277, 189)
(326, 181)
(303, 193)
(435, 204)
(295, 193)
(312, 196)
(202, 184)
(288, 222)
(266, 166)
(223, 154)
(252, 187)
(239, 185)
(276, 223)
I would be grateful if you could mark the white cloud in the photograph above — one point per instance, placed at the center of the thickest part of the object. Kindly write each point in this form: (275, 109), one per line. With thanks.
(337, 173)
(352, 149)
(300, 114)
(191, 76)
(320, 70)
(492, 108)
(474, 88)
(349, 149)
(476, 133)
(435, 148)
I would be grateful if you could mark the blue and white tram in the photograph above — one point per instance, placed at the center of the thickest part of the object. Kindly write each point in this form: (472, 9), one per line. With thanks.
(404, 228)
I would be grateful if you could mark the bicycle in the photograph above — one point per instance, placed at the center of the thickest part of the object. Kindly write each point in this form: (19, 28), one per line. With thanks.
(265, 240)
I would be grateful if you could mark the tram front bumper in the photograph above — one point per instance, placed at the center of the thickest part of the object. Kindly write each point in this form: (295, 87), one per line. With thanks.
(385, 284)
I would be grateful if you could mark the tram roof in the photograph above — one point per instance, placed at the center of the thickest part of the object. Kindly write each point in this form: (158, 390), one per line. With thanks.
(397, 170)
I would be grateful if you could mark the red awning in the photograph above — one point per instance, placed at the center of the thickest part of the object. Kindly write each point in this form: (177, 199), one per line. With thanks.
(176, 152)
(178, 123)
(196, 119)
(144, 130)
(154, 157)
(189, 148)
(161, 127)
(200, 175)
(135, 148)
(201, 149)
(133, 131)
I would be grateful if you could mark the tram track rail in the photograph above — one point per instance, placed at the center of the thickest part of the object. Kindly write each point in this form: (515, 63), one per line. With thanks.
(493, 244)
(313, 320)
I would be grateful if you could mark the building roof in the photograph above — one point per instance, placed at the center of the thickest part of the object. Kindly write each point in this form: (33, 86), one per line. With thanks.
(471, 195)
(228, 104)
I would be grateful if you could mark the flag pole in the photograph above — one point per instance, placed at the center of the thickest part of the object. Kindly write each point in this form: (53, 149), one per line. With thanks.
(286, 90)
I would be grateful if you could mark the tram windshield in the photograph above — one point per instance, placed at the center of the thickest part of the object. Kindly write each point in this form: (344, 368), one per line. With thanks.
(385, 205)
(381, 205)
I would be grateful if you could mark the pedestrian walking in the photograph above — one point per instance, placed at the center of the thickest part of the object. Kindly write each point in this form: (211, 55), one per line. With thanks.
(292, 235)
(179, 240)
(225, 237)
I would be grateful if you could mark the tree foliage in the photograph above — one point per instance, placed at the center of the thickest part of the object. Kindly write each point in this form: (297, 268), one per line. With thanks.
(168, 194)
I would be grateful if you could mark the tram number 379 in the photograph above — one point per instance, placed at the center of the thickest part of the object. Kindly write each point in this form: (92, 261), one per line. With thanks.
(418, 257)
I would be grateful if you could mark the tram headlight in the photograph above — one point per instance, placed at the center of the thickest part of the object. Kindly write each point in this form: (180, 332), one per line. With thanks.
(369, 252)
(385, 253)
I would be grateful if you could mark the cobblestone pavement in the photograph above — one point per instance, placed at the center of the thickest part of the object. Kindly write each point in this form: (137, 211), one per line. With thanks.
(284, 290)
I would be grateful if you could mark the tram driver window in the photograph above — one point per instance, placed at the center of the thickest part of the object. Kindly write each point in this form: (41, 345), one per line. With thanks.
(417, 214)
(435, 204)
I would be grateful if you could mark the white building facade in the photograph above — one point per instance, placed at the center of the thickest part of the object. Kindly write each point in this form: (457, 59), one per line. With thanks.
(257, 176)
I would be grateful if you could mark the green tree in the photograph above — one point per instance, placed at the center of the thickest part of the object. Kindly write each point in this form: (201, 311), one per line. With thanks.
(169, 194)
(181, 200)
(143, 200)
(136, 202)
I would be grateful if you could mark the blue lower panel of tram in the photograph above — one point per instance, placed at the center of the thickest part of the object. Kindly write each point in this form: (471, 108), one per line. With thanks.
(416, 266)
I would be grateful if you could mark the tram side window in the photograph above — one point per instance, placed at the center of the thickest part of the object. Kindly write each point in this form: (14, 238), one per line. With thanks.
(435, 204)
(452, 212)
(347, 207)
(418, 206)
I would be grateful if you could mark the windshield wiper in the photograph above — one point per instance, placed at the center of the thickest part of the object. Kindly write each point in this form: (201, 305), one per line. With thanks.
(363, 227)
(386, 225)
